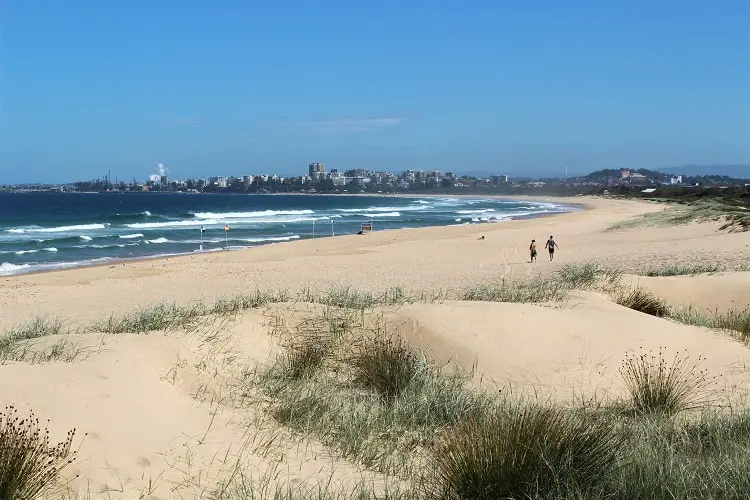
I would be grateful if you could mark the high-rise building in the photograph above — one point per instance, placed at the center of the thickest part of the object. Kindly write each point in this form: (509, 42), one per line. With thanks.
(316, 169)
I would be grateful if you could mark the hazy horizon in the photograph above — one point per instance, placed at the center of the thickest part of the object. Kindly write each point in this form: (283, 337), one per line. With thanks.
(242, 89)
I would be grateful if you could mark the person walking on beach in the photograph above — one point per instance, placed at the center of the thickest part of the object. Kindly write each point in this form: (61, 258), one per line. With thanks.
(532, 249)
(551, 245)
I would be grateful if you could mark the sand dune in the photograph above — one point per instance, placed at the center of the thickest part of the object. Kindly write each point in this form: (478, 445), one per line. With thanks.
(563, 352)
(704, 292)
(167, 416)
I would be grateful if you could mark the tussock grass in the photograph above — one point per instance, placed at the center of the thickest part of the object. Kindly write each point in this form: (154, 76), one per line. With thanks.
(702, 458)
(523, 451)
(538, 290)
(16, 343)
(165, 317)
(29, 463)
(39, 327)
(587, 275)
(689, 270)
(370, 397)
(641, 300)
(350, 298)
(658, 386)
(150, 319)
(241, 303)
(734, 321)
(554, 288)
(386, 365)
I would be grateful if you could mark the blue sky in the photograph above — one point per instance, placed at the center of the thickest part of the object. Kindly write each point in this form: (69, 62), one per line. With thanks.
(236, 87)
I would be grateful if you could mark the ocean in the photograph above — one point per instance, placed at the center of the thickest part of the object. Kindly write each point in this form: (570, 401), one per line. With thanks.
(44, 231)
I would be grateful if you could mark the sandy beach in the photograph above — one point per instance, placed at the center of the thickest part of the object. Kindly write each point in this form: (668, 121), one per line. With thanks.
(163, 411)
(416, 259)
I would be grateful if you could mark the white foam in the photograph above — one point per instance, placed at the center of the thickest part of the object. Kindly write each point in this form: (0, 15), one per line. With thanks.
(179, 223)
(131, 236)
(123, 245)
(61, 229)
(249, 215)
(23, 252)
(7, 268)
(271, 238)
(86, 238)
(469, 212)
(383, 209)
(146, 213)
(385, 214)
(159, 240)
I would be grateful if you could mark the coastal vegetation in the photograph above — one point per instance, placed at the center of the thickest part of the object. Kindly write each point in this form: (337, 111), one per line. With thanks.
(684, 270)
(427, 430)
(732, 214)
(384, 405)
(30, 464)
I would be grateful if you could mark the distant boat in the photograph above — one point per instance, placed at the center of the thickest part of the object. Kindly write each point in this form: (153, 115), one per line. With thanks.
(312, 191)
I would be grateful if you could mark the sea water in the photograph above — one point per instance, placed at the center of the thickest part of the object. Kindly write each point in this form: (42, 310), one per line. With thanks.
(43, 231)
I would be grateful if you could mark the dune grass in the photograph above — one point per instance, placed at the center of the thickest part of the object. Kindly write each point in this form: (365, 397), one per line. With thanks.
(538, 290)
(16, 342)
(641, 300)
(376, 401)
(659, 386)
(524, 450)
(367, 395)
(702, 458)
(684, 270)
(736, 322)
(165, 317)
(734, 217)
(30, 465)
(39, 327)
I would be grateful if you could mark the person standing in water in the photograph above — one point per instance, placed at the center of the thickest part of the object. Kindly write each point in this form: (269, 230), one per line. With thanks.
(551, 245)
(532, 249)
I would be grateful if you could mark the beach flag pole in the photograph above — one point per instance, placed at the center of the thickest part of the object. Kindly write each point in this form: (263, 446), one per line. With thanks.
(226, 236)
(313, 229)
(202, 230)
(332, 235)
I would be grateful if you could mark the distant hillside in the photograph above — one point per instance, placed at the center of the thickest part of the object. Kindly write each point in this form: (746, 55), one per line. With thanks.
(735, 171)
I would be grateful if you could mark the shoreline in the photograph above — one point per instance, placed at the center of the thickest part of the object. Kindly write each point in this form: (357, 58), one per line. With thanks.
(426, 259)
(113, 262)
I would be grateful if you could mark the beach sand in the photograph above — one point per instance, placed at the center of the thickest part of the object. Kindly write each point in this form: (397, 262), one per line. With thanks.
(162, 411)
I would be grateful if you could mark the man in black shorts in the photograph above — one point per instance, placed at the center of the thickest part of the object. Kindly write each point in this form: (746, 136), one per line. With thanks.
(550, 245)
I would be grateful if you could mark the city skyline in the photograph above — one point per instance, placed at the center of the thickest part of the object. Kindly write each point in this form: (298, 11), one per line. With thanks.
(473, 88)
